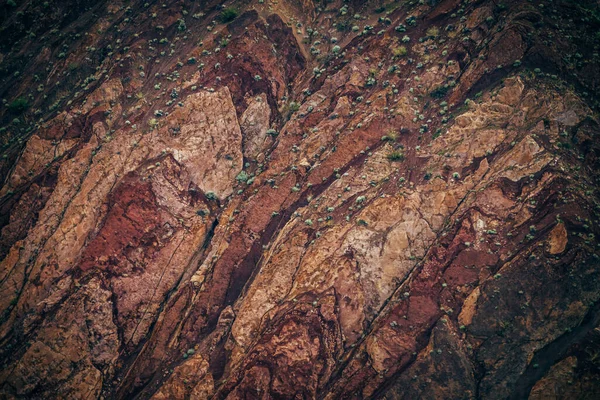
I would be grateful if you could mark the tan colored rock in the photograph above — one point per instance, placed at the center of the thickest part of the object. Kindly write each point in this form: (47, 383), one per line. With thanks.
(79, 340)
(37, 155)
(205, 137)
(179, 385)
(557, 239)
(337, 271)
(108, 92)
(469, 308)
(254, 124)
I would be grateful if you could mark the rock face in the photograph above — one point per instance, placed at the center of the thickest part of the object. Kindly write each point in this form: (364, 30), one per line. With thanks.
(289, 200)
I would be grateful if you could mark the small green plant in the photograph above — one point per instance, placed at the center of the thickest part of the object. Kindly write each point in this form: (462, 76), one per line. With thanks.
(399, 51)
(391, 136)
(294, 106)
(211, 196)
(433, 32)
(242, 177)
(439, 92)
(228, 15)
(342, 26)
(18, 105)
(396, 156)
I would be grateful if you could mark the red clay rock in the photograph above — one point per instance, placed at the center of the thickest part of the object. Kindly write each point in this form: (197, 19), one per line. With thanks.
(291, 205)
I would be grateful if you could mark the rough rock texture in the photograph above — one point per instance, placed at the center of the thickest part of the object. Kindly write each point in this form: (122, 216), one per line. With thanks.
(289, 200)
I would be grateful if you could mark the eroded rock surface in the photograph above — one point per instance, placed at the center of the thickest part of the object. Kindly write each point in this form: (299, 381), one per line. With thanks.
(285, 200)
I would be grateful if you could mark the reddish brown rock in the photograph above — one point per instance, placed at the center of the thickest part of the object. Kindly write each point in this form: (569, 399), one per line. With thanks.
(285, 200)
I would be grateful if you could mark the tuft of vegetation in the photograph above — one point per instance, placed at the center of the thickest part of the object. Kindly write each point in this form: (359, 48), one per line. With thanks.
(242, 177)
(153, 123)
(411, 20)
(343, 26)
(18, 105)
(433, 32)
(228, 15)
(211, 196)
(399, 51)
(294, 106)
(390, 137)
(396, 156)
(439, 92)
